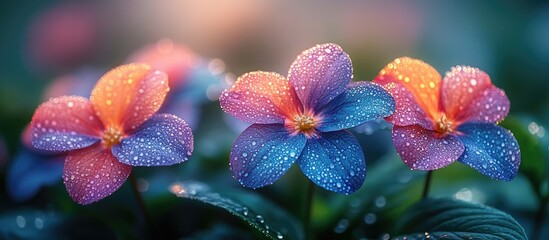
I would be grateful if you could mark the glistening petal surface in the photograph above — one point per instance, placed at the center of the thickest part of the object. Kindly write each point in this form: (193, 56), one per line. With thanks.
(161, 141)
(320, 74)
(263, 153)
(260, 97)
(423, 149)
(418, 77)
(468, 95)
(65, 123)
(490, 149)
(361, 102)
(93, 173)
(128, 95)
(334, 161)
(407, 111)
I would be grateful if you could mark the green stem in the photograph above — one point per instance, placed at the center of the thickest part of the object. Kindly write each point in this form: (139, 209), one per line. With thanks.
(427, 185)
(540, 217)
(141, 204)
(308, 207)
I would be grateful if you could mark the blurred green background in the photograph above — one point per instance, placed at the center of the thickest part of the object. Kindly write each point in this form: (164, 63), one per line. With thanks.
(43, 40)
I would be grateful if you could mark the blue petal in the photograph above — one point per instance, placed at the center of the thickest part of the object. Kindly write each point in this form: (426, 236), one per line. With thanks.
(30, 171)
(490, 149)
(162, 140)
(263, 153)
(361, 102)
(334, 161)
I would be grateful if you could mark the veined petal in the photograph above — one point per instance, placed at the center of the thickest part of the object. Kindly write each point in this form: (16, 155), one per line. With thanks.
(93, 173)
(407, 111)
(320, 74)
(261, 97)
(418, 77)
(490, 149)
(468, 95)
(361, 102)
(128, 95)
(263, 153)
(422, 149)
(65, 123)
(334, 161)
(161, 141)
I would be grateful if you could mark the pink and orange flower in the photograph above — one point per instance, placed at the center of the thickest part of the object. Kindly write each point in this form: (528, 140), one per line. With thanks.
(438, 121)
(115, 129)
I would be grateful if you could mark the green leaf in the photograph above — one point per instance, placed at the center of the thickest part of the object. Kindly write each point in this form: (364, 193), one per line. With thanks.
(272, 221)
(533, 163)
(453, 219)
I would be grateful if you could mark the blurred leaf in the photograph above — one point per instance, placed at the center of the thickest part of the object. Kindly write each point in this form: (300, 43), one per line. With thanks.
(533, 163)
(272, 221)
(453, 219)
(37, 224)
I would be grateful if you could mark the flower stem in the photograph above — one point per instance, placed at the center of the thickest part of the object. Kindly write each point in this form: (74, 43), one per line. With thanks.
(141, 204)
(540, 217)
(308, 207)
(427, 185)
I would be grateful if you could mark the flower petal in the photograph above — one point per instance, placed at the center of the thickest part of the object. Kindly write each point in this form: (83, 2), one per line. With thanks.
(490, 149)
(260, 97)
(468, 95)
(362, 102)
(93, 173)
(161, 141)
(128, 95)
(418, 77)
(422, 149)
(65, 123)
(263, 153)
(320, 74)
(407, 111)
(334, 161)
(30, 171)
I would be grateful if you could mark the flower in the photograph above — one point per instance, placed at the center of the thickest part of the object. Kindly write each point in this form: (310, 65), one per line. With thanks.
(438, 121)
(303, 119)
(115, 129)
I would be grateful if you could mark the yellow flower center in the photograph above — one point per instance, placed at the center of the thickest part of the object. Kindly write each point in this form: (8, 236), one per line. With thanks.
(443, 125)
(111, 137)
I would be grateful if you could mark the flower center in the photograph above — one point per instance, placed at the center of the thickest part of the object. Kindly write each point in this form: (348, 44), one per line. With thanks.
(443, 125)
(111, 137)
(304, 123)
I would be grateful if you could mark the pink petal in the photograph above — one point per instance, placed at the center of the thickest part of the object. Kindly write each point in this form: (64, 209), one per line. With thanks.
(319, 74)
(65, 123)
(93, 173)
(407, 111)
(422, 149)
(261, 97)
(468, 95)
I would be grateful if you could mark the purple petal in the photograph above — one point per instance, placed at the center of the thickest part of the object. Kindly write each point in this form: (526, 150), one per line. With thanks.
(407, 110)
(263, 153)
(162, 140)
(334, 161)
(423, 149)
(183, 109)
(30, 171)
(490, 149)
(491, 106)
(93, 173)
(320, 74)
(362, 102)
(65, 123)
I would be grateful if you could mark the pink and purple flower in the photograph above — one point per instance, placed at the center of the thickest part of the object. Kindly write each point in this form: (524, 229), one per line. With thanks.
(438, 121)
(115, 129)
(303, 119)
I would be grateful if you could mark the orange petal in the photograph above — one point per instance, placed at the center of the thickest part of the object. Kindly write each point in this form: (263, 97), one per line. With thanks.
(128, 95)
(418, 77)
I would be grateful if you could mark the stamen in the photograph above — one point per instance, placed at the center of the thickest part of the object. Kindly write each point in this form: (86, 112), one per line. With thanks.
(443, 125)
(111, 137)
